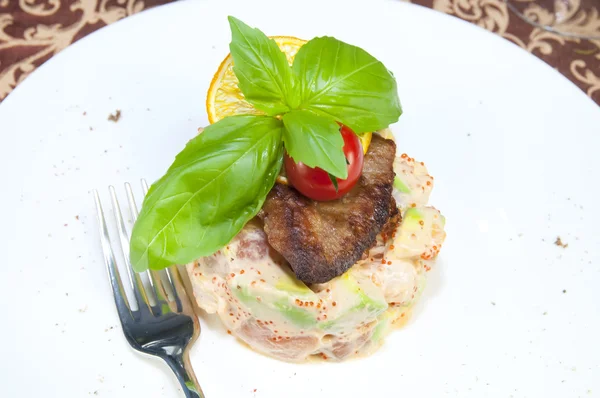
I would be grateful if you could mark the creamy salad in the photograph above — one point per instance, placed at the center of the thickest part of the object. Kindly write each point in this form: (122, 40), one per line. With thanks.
(259, 300)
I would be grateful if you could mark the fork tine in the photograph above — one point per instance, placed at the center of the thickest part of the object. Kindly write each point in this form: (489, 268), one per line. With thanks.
(178, 287)
(144, 187)
(134, 279)
(121, 300)
(134, 214)
(174, 284)
(169, 287)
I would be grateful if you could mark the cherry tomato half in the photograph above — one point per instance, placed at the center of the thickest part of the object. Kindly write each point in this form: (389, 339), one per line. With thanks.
(315, 182)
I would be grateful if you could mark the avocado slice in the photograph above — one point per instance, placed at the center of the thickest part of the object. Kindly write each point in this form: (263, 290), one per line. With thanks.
(289, 283)
(361, 302)
(400, 185)
(298, 316)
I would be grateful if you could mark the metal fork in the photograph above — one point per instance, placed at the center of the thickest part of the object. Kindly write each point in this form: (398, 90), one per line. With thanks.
(162, 322)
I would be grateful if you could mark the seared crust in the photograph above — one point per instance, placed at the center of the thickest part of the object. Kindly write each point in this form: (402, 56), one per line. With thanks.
(321, 240)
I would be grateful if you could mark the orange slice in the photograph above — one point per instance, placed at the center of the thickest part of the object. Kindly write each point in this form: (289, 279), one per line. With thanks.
(224, 97)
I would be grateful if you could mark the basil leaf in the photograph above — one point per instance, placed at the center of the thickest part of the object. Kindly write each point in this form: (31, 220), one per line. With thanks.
(347, 83)
(315, 141)
(333, 181)
(215, 185)
(262, 69)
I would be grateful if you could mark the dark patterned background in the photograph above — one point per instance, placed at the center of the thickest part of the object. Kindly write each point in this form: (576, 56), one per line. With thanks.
(32, 31)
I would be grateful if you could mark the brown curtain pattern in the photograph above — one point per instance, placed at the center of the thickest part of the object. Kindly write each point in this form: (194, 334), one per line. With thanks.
(32, 31)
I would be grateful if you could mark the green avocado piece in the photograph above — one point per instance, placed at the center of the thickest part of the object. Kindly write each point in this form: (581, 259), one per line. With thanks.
(400, 185)
(368, 303)
(244, 296)
(295, 287)
(382, 325)
(290, 284)
(412, 215)
(296, 315)
(363, 302)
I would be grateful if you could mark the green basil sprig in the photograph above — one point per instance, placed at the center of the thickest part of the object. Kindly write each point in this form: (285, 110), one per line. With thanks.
(216, 184)
(316, 140)
(346, 83)
(222, 177)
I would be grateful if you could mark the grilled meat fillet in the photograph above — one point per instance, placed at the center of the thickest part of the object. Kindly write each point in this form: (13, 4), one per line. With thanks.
(321, 240)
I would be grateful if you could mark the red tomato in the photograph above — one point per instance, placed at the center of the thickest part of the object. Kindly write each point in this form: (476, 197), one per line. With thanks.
(315, 182)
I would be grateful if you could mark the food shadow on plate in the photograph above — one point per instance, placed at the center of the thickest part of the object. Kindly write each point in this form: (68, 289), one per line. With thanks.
(435, 284)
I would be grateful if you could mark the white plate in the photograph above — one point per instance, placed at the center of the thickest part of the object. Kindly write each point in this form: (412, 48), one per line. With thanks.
(512, 144)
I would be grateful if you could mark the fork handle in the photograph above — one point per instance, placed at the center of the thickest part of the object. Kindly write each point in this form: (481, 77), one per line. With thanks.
(180, 365)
